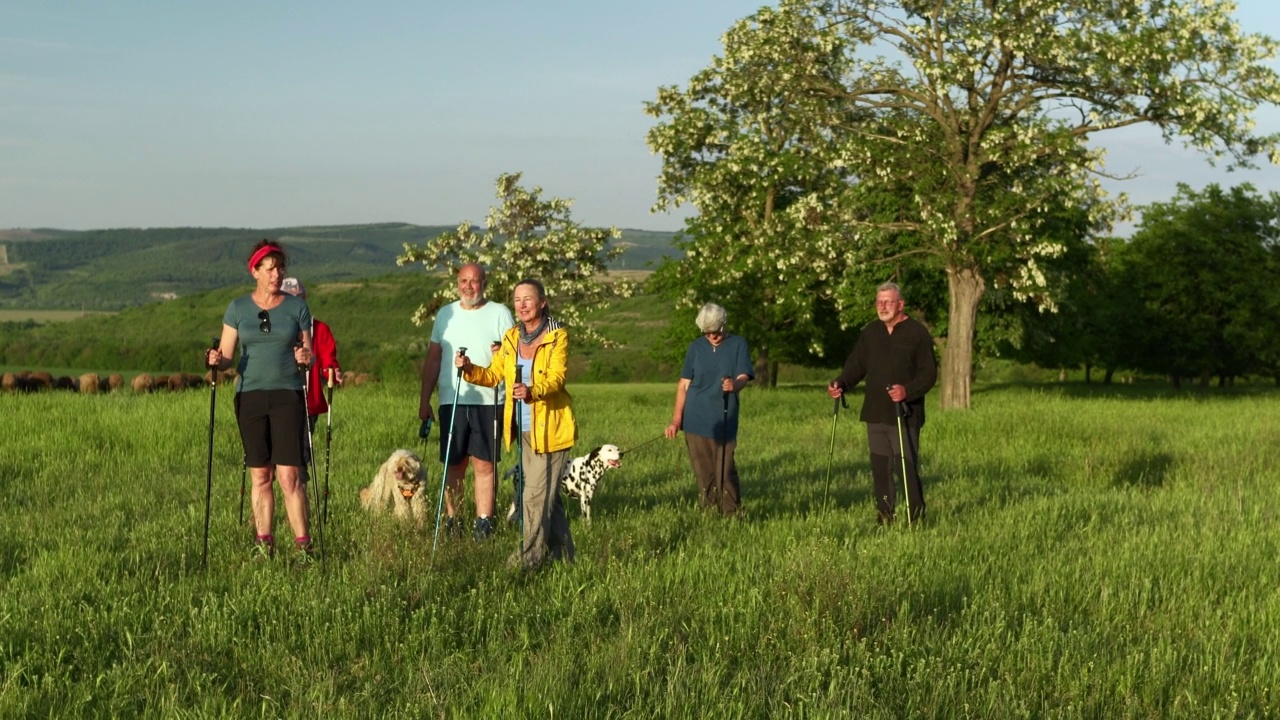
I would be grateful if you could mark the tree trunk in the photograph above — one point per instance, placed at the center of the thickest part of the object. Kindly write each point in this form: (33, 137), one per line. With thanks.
(773, 374)
(1088, 373)
(761, 368)
(966, 287)
(1108, 375)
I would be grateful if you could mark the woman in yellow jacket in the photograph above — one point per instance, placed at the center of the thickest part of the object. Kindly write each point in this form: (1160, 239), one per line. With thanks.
(539, 407)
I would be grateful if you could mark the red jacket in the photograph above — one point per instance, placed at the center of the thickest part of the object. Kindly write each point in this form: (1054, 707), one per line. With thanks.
(325, 352)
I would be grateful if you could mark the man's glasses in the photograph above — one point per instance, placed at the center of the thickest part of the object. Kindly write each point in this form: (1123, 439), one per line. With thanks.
(264, 322)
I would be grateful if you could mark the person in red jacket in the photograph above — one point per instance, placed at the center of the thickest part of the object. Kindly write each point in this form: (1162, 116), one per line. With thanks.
(325, 354)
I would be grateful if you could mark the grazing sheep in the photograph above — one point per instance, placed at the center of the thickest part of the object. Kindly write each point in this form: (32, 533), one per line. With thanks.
(89, 384)
(115, 381)
(143, 382)
(40, 380)
(9, 382)
(161, 383)
(65, 382)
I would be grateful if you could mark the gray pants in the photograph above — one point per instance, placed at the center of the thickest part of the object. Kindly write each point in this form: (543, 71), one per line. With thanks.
(887, 457)
(545, 525)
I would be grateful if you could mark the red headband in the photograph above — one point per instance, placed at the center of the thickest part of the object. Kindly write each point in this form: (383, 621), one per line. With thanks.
(263, 251)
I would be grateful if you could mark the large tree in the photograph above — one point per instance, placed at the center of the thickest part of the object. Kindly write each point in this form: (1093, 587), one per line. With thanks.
(527, 236)
(964, 120)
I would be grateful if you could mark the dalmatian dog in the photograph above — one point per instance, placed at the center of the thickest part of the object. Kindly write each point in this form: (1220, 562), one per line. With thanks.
(400, 485)
(581, 476)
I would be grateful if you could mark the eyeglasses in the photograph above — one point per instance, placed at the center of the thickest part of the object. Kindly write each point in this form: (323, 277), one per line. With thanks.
(264, 322)
(713, 333)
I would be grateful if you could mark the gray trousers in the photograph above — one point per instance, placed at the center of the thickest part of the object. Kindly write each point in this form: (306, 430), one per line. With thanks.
(887, 458)
(543, 520)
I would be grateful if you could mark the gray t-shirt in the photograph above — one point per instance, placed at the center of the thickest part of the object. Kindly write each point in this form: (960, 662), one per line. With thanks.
(266, 358)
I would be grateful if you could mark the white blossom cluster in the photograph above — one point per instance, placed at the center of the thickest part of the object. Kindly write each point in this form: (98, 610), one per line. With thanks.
(527, 236)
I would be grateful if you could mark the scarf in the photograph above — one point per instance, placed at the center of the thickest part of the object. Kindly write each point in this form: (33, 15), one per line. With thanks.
(528, 337)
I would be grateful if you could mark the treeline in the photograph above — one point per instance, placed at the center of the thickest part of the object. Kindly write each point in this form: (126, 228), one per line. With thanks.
(1193, 295)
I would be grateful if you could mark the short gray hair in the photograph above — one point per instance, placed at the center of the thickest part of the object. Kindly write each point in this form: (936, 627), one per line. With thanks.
(710, 318)
(885, 287)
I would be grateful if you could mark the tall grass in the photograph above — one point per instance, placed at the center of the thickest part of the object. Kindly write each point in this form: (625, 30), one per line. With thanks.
(1084, 556)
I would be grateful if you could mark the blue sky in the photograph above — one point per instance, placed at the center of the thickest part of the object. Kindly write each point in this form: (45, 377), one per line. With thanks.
(268, 114)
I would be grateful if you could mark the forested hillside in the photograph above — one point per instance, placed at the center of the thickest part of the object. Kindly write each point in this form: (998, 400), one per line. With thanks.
(121, 268)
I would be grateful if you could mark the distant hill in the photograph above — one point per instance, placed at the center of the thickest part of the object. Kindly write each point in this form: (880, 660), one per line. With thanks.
(129, 267)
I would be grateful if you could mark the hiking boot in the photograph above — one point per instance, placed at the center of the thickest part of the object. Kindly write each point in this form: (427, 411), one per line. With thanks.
(482, 528)
(305, 551)
(451, 527)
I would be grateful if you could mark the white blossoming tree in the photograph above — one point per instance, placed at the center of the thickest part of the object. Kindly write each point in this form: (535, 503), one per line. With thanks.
(746, 144)
(965, 123)
(528, 237)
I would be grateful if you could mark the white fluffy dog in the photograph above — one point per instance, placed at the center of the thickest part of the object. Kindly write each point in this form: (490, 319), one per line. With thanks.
(400, 483)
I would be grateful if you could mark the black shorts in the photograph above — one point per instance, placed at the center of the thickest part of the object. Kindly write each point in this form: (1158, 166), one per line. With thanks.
(474, 436)
(272, 426)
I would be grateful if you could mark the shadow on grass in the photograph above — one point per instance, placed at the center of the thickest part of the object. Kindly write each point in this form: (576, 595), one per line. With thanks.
(1147, 469)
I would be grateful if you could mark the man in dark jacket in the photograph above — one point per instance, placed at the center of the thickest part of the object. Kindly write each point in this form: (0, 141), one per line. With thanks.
(894, 360)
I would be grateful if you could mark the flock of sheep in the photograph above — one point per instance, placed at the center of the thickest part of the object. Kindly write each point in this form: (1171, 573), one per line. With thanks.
(92, 383)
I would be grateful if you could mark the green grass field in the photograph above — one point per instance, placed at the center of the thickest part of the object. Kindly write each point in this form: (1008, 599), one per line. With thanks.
(1090, 553)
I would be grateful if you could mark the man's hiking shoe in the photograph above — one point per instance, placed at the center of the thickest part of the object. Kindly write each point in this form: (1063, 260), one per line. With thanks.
(452, 529)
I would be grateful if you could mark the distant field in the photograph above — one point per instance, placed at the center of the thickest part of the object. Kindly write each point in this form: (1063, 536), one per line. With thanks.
(46, 315)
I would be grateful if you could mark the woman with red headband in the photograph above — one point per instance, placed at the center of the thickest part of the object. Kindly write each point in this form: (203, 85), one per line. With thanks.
(272, 330)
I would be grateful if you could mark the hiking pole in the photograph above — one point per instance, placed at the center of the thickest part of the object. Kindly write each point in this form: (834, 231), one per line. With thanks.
(244, 468)
(448, 446)
(902, 450)
(208, 482)
(309, 458)
(835, 418)
(328, 445)
(519, 459)
(497, 453)
(724, 448)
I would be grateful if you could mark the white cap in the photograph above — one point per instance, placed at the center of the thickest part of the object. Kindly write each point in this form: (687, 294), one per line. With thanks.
(293, 286)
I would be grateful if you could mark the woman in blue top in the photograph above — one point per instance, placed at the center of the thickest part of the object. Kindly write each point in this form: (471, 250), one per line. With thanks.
(716, 367)
(272, 331)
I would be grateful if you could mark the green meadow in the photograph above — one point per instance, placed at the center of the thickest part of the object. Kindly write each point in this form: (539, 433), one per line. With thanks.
(1090, 552)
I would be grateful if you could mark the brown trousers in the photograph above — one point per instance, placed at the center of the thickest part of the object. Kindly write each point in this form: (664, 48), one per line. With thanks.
(709, 457)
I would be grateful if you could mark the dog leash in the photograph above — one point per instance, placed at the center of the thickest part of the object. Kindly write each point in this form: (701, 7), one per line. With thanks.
(647, 442)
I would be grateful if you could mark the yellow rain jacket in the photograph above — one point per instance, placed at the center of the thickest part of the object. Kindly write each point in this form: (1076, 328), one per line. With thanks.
(554, 427)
